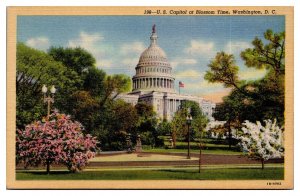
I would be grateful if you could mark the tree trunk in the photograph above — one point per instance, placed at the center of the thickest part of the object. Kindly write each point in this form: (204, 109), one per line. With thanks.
(200, 157)
(262, 163)
(174, 139)
(200, 152)
(230, 135)
(48, 167)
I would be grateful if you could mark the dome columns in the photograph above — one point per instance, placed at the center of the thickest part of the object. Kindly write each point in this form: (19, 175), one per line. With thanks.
(152, 83)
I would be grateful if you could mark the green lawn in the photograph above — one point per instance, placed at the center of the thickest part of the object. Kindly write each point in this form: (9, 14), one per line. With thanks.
(196, 144)
(162, 174)
(209, 147)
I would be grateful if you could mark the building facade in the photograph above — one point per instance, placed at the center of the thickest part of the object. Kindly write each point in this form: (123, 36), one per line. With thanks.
(154, 84)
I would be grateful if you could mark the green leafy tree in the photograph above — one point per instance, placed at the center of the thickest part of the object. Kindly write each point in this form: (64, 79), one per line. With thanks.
(114, 85)
(252, 100)
(94, 82)
(199, 121)
(223, 70)
(124, 116)
(77, 59)
(85, 103)
(82, 62)
(179, 121)
(112, 119)
(178, 124)
(86, 109)
(147, 124)
(164, 128)
(233, 109)
(35, 68)
(117, 119)
(145, 111)
(268, 55)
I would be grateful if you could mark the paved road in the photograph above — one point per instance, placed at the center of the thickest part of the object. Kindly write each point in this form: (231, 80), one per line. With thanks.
(207, 159)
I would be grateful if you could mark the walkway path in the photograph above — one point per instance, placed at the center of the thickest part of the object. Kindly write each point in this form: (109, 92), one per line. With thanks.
(207, 159)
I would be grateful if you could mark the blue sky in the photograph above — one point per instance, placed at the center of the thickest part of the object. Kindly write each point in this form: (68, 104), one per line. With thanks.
(190, 42)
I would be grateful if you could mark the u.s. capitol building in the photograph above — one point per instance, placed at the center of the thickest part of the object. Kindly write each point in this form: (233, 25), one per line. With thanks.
(154, 84)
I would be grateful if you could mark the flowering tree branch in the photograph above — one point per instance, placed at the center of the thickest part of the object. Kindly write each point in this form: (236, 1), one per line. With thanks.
(262, 142)
(55, 141)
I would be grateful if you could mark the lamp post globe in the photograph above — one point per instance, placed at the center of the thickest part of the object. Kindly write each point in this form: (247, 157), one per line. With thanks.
(48, 98)
(53, 89)
(44, 89)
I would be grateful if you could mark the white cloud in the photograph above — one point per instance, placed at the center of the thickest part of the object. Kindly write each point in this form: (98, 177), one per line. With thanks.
(188, 74)
(130, 61)
(188, 61)
(88, 41)
(104, 63)
(208, 85)
(93, 42)
(183, 61)
(252, 74)
(204, 85)
(199, 47)
(215, 96)
(134, 48)
(41, 43)
(236, 47)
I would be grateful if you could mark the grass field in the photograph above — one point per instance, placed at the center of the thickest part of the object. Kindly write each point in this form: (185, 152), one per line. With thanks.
(275, 173)
(209, 147)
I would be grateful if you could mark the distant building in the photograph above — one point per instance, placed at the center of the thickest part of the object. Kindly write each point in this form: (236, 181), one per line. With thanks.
(154, 84)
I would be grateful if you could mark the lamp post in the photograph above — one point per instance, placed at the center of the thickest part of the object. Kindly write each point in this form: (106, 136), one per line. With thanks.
(188, 122)
(200, 152)
(48, 98)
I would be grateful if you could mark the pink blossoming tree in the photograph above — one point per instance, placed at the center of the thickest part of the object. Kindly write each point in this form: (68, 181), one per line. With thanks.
(58, 140)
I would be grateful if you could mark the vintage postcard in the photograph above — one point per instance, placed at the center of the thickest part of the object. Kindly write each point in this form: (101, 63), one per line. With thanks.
(150, 98)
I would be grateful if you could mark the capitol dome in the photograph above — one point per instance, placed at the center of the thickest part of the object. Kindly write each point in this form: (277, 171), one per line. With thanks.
(153, 71)
(151, 53)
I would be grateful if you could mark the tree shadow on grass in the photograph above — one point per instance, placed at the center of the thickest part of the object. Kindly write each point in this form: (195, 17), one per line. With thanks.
(45, 173)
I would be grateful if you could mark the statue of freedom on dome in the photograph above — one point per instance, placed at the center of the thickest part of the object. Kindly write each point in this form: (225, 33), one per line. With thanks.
(153, 29)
